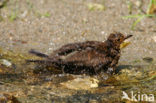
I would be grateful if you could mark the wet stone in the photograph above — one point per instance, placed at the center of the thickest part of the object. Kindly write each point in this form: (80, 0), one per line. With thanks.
(85, 83)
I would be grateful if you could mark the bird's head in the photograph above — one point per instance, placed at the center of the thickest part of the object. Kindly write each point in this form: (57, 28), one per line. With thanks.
(117, 38)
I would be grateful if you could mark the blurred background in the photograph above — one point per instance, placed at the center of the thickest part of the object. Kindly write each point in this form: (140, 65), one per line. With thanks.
(45, 25)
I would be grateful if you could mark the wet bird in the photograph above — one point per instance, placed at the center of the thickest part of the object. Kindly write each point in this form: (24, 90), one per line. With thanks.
(90, 57)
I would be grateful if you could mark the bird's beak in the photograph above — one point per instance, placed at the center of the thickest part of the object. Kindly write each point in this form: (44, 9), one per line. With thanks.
(125, 43)
(128, 36)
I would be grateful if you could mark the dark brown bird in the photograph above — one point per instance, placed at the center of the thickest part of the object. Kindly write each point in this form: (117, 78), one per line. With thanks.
(91, 57)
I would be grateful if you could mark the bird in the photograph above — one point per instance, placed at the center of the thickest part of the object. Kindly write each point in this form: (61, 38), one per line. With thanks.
(89, 57)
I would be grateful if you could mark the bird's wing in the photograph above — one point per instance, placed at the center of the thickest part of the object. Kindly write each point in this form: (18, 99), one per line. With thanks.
(89, 58)
(69, 48)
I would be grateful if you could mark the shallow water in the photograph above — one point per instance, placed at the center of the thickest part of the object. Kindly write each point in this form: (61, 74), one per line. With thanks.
(72, 21)
(20, 81)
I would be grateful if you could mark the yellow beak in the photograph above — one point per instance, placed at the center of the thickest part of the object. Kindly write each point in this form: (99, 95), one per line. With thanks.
(124, 44)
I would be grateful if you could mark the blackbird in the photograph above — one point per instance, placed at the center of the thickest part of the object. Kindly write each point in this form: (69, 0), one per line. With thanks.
(90, 57)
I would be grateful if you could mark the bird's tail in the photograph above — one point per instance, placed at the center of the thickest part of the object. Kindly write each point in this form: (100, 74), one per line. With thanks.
(37, 61)
(54, 63)
(32, 51)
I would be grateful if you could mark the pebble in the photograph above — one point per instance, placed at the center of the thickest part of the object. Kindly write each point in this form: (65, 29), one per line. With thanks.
(5, 62)
(85, 83)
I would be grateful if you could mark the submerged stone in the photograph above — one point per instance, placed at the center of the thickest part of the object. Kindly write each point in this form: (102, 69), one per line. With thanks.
(85, 83)
(5, 62)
